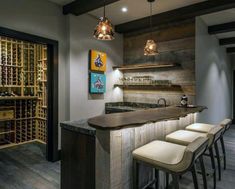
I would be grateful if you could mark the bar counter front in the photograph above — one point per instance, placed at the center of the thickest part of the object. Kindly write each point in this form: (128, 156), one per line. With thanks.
(97, 153)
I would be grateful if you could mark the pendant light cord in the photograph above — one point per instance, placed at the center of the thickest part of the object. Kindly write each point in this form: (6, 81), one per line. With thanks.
(151, 22)
(104, 8)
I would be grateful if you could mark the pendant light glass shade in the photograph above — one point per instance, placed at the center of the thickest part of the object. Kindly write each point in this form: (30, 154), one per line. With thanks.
(151, 46)
(104, 30)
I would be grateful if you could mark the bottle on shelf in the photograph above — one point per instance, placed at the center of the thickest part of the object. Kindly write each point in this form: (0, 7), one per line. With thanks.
(184, 101)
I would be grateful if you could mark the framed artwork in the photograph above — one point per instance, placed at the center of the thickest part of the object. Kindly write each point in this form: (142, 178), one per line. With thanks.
(97, 83)
(98, 61)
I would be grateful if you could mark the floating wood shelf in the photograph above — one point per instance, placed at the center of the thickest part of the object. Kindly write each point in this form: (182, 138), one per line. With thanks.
(145, 66)
(149, 87)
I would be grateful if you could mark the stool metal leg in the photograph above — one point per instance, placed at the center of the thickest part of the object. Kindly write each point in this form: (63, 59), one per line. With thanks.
(213, 165)
(135, 175)
(156, 178)
(194, 174)
(223, 149)
(218, 159)
(175, 181)
(203, 172)
(167, 180)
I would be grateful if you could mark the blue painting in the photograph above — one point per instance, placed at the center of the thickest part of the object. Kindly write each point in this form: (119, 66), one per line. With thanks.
(97, 83)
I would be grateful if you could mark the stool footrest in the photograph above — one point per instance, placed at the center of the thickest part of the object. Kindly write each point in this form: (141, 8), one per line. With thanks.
(209, 172)
(150, 183)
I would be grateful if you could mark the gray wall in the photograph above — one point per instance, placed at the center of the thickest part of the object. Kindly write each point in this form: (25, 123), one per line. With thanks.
(213, 76)
(44, 19)
(82, 104)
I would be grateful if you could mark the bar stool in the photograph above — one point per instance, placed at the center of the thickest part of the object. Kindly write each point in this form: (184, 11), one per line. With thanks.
(168, 157)
(206, 128)
(226, 123)
(184, 137)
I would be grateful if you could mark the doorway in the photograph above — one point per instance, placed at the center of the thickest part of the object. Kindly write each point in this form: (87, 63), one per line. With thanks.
(29, 90)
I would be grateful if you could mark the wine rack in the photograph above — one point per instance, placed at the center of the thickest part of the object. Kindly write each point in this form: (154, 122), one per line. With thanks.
(23, 90)
(41, 91)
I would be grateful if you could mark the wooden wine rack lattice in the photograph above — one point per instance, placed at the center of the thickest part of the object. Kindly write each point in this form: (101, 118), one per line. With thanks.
(23, 90)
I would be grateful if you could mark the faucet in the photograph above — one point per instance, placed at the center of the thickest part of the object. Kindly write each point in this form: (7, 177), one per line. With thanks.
(161, 99)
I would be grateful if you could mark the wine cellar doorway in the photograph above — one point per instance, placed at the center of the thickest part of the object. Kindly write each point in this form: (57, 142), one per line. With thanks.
(28, 91)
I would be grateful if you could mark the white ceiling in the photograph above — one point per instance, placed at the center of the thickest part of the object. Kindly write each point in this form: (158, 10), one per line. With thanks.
(139, 8)
(136, 8)
(220, 18)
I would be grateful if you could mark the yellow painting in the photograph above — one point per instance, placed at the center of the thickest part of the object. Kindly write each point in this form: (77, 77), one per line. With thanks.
(98, 61)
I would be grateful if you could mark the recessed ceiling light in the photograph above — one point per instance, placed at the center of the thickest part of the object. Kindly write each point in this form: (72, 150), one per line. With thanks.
(124, 9)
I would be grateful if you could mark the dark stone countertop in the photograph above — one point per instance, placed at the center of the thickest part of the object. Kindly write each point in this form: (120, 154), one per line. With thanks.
(128, 108)
(117, 107)
(81, 126)
(134, 105)
(137, 118)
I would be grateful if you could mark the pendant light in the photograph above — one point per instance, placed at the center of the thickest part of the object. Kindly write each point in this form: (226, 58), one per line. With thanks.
(104, 30)
(151, 46)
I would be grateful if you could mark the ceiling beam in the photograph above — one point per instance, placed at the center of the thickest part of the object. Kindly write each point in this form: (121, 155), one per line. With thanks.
(231, 50)
(227, 41)
(183, 13)
(221, 28)
(80, 7)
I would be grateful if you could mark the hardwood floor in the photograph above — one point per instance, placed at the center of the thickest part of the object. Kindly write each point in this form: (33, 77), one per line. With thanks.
(25, 167)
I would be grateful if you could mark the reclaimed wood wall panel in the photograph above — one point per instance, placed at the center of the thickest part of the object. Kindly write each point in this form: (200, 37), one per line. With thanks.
(176, 44)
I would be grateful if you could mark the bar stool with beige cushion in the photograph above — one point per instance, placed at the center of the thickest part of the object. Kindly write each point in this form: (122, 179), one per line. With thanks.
(184, 137)
(205, 128)
(226, 123)
(168, 157)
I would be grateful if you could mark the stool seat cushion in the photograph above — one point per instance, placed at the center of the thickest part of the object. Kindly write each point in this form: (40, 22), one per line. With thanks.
(159, 152)
(200, 127)
(184, 137)
(225, 122)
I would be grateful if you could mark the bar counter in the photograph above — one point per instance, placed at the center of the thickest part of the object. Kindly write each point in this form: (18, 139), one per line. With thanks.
(96, 153)
(140, 117)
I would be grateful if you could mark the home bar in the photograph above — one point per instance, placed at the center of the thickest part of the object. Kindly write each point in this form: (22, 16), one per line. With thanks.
(111, 139)
(117, 94)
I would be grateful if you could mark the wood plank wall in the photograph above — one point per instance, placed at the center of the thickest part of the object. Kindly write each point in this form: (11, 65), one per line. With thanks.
(176, 44)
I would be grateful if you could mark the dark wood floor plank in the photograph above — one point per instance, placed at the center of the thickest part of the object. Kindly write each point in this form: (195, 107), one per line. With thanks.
(25, 167)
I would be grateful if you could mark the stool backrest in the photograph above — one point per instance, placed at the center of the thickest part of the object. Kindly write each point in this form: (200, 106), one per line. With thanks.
(198, 147)
(226, 123)
(192, 152)
(214, 134)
